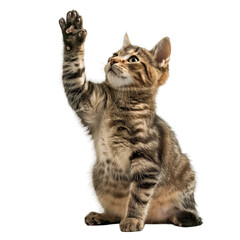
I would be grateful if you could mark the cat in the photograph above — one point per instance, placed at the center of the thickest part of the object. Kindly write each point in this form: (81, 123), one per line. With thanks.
(140, 175)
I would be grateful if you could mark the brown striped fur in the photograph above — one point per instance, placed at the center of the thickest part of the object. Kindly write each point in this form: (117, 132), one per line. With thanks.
(140, 175)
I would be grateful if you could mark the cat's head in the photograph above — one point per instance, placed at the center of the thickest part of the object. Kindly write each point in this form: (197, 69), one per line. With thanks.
(133, 65)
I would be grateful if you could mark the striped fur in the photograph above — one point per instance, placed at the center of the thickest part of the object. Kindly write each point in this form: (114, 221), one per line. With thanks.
(140, 175)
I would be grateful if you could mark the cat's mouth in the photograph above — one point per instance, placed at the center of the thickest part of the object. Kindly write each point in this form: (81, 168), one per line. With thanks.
(112, 71)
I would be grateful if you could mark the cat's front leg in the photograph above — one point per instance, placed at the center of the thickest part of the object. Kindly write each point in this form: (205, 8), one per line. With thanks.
(74, 36)
(145, 174)
(87, 99)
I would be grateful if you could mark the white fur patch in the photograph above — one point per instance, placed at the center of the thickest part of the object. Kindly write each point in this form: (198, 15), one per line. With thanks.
(164, 61)
(126, 57)
(117, 79)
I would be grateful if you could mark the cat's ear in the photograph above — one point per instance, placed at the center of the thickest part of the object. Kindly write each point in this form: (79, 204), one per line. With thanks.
(126, 41)
(162, 52)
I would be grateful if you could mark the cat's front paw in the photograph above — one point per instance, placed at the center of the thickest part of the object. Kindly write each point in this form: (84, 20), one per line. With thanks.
(131, 225)
(73, 33)
(94, 218)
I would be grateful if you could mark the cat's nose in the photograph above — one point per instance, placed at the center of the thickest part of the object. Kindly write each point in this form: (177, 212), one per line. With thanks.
(114, 60)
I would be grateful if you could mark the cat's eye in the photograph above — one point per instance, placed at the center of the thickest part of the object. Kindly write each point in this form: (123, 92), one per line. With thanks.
(115, 55)
(133, 59)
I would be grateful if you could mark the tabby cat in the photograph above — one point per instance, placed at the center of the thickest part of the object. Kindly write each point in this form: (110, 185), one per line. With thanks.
(140, 175)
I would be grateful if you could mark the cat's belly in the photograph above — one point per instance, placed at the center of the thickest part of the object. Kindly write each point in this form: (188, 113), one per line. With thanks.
(162, 206)
(159, 212)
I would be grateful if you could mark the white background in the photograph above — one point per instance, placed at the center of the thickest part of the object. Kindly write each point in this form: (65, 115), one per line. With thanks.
(46, 156)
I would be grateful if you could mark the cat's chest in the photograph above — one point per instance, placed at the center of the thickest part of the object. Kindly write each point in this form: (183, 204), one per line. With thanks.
(111, 146)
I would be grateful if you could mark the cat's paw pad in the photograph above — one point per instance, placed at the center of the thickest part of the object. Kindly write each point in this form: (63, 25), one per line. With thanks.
(94, 218)
(131, 225)
(73, 33)
(71, 16)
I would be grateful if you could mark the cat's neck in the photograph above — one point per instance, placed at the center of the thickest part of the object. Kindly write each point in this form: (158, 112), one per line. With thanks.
(134, 98)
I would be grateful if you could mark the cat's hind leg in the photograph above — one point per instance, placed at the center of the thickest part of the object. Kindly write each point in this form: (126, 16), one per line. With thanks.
(184, 218)
(94, 218)
(185, 214)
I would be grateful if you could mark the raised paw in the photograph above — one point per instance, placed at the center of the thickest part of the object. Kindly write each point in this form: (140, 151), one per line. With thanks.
(73, 33)
(131, 225)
